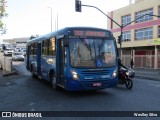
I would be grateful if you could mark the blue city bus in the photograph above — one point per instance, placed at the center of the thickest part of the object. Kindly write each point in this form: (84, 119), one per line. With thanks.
(74, 58)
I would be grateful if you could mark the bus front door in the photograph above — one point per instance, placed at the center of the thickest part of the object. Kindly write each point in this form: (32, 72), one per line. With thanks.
(61, 63)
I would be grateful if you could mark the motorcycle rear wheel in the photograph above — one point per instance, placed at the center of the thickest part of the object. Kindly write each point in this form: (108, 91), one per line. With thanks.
(129, 84)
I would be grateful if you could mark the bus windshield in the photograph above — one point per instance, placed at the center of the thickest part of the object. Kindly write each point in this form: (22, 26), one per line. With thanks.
(92, 53)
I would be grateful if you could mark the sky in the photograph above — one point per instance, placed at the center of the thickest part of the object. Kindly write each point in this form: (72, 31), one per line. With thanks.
(33, 17)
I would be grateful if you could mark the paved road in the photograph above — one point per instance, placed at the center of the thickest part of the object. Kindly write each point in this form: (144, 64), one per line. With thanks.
(21, 68)
(30, 94)
(23, 93)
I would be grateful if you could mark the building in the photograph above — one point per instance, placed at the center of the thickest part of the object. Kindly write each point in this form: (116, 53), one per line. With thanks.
(141, 38)
(20, 42)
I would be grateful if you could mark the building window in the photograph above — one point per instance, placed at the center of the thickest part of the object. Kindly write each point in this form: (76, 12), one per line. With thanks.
(159, 31)
(142, 34)
(126, 19)
(146, 17)
(126, 36)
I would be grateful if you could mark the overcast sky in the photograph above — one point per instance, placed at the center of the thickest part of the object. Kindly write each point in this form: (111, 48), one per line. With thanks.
(29, 17)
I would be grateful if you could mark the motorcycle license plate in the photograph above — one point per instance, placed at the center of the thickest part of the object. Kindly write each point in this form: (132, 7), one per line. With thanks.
(97, 84)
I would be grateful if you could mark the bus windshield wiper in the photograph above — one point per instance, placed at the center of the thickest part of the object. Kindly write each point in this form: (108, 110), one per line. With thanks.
(85, 44)
(101, 45)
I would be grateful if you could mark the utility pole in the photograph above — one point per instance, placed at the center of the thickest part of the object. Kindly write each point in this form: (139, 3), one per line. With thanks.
(57, 20)
(51, 17)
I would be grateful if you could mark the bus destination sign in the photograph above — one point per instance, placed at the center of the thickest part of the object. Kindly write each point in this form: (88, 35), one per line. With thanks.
(86, 33)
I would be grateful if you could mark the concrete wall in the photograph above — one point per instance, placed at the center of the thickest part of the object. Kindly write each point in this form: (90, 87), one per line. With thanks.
(6, 64)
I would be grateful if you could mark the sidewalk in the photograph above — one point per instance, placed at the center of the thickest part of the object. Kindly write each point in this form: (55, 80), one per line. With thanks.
(7, 73)
(145, 73)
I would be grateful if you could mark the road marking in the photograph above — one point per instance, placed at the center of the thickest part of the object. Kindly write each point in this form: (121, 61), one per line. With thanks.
(153, 84)
(32, 109)
(31, 104)
(157, 85)
(7, 83)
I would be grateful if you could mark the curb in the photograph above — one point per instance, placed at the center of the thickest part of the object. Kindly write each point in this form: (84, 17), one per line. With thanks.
(148, 73)
(148, 78)
(13, 72)
(5, 74)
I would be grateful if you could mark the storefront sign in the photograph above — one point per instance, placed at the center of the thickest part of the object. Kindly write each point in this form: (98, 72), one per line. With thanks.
(154, 41)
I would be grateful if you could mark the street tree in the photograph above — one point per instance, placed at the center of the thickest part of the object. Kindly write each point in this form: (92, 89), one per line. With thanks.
(2, 15)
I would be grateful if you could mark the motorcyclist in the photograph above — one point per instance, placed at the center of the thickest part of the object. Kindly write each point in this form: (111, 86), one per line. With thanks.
(120, 64)
(123, 79)
(119, 68)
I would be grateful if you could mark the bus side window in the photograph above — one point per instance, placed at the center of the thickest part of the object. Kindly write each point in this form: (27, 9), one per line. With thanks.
(65, 56)
(52, 47)
(35, 49)
(45, 46)
(31, 49)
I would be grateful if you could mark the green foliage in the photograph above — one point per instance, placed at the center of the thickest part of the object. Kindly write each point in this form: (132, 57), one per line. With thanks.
(2, 15)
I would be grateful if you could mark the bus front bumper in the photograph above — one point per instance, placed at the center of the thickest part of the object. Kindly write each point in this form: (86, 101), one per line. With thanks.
(73, 85)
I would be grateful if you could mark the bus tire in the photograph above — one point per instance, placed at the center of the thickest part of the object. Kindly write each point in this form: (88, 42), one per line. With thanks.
(53, 81)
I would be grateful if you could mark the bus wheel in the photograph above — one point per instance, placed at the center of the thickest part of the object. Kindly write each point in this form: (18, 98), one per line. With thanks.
(53, 81)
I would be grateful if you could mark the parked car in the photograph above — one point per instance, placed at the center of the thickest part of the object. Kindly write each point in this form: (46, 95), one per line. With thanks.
(8, 51)
(23, 52)
(17, 49)
(17, 56)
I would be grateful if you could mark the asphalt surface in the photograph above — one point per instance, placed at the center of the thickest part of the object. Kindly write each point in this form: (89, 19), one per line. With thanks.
(20, 92)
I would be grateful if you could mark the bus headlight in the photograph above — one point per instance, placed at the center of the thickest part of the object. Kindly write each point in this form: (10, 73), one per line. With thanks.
(114, 74)
(74, 75)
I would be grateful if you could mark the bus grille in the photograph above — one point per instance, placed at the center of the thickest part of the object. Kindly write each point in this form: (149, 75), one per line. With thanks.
(95, 72)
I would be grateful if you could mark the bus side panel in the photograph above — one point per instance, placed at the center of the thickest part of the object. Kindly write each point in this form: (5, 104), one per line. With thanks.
(33, 63)
(39, 60)
(45, 67)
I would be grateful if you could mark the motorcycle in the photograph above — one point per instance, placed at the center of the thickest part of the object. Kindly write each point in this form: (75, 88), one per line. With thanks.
(125, 77)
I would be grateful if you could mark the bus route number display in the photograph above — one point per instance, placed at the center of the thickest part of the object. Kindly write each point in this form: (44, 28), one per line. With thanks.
(90, 33)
